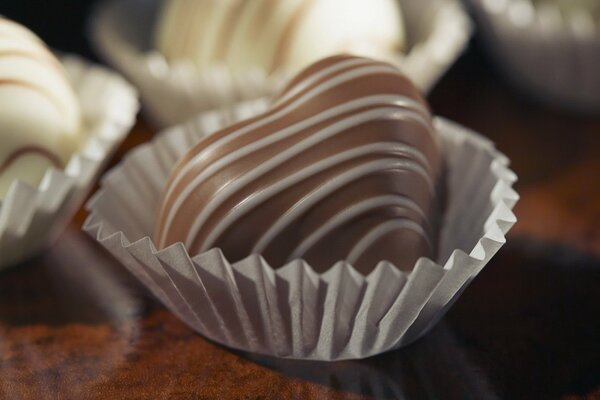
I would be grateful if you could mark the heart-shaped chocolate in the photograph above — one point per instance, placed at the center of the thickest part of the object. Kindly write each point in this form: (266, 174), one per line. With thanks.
(345, 165)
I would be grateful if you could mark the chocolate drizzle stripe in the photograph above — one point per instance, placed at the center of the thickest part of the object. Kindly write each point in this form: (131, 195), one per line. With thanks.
(363, 170)
(315, 120)
(381, 230)
(348, 214)
(37, 88)
(338, 80)
(328, 189)
(417, 163)
(302, 85)
(30, 150)
(344, 166)
(281, 110)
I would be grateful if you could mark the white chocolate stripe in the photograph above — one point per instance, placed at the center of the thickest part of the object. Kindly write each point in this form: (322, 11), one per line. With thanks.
(392, 100)
(353, 105)
(342, 180)
(393, 149)
(330, 131)
(346, 215)
(339, 80)
(381, 230)
(317, 76)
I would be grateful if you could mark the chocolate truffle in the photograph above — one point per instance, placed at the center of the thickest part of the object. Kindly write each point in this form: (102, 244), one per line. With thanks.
(39, 113)
(346, 165)
(268, 35)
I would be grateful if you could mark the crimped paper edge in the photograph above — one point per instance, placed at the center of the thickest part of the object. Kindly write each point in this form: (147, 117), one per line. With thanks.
(51, 205)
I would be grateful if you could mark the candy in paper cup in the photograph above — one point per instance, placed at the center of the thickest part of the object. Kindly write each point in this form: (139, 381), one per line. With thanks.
(32, 218)
(552, 55)
(122, 30)
(292, 311)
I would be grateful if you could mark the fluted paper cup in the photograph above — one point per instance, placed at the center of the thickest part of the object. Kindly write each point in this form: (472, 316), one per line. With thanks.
(121, 32)
(31, 218)
(554, 57)
(292, 311)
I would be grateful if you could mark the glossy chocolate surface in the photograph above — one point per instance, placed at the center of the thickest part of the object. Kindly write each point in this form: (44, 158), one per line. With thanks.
(344, 166)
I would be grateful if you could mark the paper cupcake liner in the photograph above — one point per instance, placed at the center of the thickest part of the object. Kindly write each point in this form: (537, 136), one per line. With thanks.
(294, 312)
(121, 31)
(31, 218)
(553, 57)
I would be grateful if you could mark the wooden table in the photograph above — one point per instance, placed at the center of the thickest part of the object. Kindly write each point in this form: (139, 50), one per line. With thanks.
(75, 325)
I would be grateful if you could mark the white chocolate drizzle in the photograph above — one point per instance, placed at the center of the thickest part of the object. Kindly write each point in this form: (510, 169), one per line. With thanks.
(363, 160)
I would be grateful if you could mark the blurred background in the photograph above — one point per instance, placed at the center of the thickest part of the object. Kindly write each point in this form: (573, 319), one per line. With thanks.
(525, 327)
(60, 22)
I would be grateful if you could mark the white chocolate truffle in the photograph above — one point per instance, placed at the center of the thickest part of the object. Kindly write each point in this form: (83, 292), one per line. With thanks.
(40, 122)
(273, 34)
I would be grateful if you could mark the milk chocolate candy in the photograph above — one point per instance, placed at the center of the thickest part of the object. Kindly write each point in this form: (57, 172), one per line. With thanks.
(273, 34)
(346, 165)
(39, 113)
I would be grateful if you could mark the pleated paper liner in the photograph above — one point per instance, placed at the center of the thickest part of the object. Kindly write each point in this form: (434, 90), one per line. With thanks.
(121, 31)
(31, 218)
(293, 312)
(554, 57)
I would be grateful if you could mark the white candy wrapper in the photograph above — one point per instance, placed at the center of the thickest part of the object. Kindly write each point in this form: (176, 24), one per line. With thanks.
(32, 218)
(553, 56)
(293, 312)
(121, 31)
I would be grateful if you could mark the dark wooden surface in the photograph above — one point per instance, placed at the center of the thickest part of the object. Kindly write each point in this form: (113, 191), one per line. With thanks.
(75, 325)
